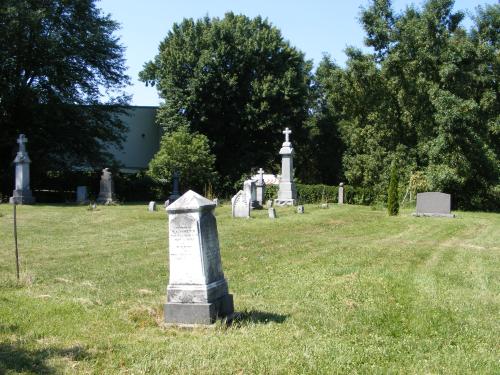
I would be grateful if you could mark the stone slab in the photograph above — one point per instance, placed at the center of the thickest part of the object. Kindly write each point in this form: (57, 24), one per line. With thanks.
(434, 204)
(199, 313)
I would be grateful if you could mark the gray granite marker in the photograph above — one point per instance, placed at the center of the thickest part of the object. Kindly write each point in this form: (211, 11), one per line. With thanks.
(434, 204)
(22, 193)
(106, 188)
(197, 291)
(287, 193)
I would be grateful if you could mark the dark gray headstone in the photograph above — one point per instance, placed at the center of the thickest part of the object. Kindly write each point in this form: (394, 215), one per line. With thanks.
(434, 204)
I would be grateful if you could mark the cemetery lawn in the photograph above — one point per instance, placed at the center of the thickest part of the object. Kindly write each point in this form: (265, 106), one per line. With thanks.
(340, 290)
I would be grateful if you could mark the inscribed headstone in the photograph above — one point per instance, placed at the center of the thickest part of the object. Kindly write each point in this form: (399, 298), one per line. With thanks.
(434, 204)
(197, 291)
(240, 205)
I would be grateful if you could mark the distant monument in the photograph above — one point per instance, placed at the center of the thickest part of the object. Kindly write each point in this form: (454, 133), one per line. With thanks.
(287, 193)
(197, 291)
(341, 193)
(22, 193)
(434, 204)
(260, 186)
(175, 187)
(106, 188)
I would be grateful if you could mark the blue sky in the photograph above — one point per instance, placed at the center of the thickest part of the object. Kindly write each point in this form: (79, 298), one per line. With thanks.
(315, 26)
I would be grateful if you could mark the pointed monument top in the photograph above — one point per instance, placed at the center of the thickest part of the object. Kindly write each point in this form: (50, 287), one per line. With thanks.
(190, 201)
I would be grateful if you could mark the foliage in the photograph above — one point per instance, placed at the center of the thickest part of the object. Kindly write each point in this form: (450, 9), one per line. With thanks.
(427, 97)
(55, 59)
(187, 153)
(237, 81)
(392, 194)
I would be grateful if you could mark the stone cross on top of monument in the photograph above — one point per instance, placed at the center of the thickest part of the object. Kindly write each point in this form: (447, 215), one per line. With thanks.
(22, 140)
(260, 171)
(287, 133)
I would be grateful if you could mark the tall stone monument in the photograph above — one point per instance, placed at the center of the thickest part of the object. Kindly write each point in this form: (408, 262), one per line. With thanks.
(22, 193)
(287, 193)
(175, 187)
(250, 189)
(106, 188)
(260, 187)
(341, 193)
(197, 291)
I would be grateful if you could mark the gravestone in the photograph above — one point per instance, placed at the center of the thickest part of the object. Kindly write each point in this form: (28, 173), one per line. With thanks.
(323, 205)
(272, 213)
(269, 203)
(260, 186)
(82, 196)
(287, 193)
(197, 291)
(240, 205)
(175, 187)
(434, 204)
(167, 202)
(152, 206)
(341, 193)
(106, 188)
(22, 192)
(216, 201)
(250, 189)
(300, 209)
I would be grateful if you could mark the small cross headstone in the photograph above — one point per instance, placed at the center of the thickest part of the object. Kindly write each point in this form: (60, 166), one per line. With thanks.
(197, 291)
(152, 206)
(260, 187)
(272, 213)
(300, 209)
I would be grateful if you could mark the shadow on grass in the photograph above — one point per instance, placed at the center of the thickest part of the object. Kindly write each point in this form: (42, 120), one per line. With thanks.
(19, 359)
(257, 317)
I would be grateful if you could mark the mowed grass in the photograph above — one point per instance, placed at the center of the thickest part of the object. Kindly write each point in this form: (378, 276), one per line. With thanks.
(340, 290)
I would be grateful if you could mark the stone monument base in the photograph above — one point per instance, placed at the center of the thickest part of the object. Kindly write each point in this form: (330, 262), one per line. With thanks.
(432, 214)
(22, 197)
(285, 202)
(199, 313)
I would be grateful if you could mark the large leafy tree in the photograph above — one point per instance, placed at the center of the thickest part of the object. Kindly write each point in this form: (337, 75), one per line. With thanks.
(59, 64)
(427, 97)
(237, 81)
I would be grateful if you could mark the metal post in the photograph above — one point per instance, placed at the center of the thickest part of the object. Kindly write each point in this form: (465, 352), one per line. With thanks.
(15, 240)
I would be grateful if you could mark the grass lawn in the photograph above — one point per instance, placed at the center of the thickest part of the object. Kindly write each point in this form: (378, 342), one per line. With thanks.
(340, 290)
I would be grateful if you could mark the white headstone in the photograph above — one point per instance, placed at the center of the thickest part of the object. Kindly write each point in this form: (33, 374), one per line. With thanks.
(341, 193)
(240, 205)
(287, 193)
(82, 196)
(197, 291)
(152, 206)
(300, 209)
(106, 188)
(269, 203)
(434, 204)
(22, 192)
(272, 213)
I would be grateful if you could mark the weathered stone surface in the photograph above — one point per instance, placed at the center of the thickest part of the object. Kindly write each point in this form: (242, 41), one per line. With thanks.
(152, 206)
(82, 196)
(240, 205)
(341, 193)
(272, 213)
(106, 188)
(434, 204)
(22, 192)
(287, 193)
(197, 291)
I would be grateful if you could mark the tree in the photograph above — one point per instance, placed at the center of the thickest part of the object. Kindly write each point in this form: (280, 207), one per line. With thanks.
(58, 60)
(237, 81)
(392, 194)
(186, 153)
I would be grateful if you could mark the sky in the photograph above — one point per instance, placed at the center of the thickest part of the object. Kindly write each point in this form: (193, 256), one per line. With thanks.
(315, 27)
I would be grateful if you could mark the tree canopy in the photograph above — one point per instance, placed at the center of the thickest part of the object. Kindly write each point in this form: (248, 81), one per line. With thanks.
(59, 64)
(237, 81)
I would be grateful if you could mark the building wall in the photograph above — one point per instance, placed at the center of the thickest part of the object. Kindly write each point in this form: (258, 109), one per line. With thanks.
(142, 140)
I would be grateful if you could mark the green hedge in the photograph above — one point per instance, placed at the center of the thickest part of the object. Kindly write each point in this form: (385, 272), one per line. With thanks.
(325, 193)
